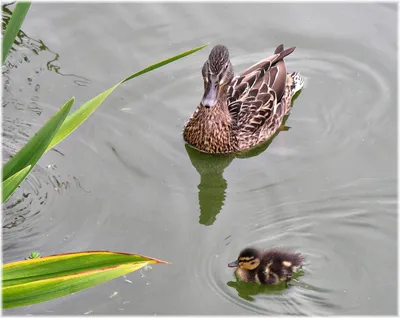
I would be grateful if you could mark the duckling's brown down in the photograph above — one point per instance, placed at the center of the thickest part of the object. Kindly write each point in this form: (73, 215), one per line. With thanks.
(266, 267)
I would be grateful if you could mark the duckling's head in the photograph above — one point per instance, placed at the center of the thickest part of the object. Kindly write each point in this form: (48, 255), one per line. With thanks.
(249, 259)
(217, 74)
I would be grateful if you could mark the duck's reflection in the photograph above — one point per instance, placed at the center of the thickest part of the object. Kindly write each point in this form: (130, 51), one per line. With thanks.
(211, 167)
(212, 186)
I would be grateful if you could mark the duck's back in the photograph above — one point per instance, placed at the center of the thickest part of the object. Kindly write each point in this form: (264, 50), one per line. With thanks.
(257, 101)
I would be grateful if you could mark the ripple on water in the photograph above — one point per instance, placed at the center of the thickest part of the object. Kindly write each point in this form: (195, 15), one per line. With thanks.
(300, 298)
(354, 97)
(343, 88)
(335, 233)
(24, 211)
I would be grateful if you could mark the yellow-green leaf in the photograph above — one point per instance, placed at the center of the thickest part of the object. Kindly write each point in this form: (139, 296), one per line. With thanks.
(40, 279)
(14, 181)
(74, 120)
(35, 147)
(59, 127)
(13, 26)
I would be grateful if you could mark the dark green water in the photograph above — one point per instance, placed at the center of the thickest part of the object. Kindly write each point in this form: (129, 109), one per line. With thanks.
(125, 181)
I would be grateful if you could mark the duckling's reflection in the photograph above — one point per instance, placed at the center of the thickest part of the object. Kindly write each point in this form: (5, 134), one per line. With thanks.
(246, 290)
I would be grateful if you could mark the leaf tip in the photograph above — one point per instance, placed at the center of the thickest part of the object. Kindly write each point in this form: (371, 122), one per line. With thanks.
(157, 261)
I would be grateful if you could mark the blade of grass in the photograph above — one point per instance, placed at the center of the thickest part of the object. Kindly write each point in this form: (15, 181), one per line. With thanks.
(13, 182)
(35, 147)
(75, 119)
(17, 18)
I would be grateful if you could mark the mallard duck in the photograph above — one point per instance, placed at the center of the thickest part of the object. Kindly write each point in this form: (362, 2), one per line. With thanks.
(240, 112)
(266, 267)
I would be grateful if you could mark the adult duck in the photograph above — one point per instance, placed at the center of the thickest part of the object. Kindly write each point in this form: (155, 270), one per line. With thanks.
(240, 112)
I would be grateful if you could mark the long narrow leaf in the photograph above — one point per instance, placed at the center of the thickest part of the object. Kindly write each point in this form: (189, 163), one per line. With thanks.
(14, 181)
(35, 147)
(74, 120)
(41, 279)
(36, 292)
(17, 18)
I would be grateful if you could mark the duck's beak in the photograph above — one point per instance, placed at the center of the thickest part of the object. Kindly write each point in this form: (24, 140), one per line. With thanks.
(211, 94)
(234, 264)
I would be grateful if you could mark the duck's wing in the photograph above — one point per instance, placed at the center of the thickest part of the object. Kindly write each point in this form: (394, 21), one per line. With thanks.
(254, 95)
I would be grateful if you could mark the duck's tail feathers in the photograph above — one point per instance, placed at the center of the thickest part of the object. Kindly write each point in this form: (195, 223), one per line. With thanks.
(279, 49)
(283, 53)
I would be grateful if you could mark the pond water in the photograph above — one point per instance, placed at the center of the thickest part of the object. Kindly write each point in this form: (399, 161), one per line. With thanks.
(125, 181)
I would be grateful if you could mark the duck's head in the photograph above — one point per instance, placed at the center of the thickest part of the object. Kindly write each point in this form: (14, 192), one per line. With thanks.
(249, 259)
(217, 74)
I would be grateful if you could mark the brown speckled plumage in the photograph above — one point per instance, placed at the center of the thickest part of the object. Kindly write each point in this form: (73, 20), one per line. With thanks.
(248, 108)
(266, 267)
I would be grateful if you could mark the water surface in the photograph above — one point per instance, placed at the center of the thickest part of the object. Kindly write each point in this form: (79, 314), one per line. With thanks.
(125, 181)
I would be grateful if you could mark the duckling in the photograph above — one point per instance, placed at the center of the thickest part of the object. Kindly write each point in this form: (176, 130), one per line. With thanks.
(266, 267)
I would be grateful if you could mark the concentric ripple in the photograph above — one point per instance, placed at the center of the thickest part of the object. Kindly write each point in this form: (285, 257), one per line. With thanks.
(348, 94)
(354, 99)
(336, 232)
(325, 188)
(335, 227)
(23, 216)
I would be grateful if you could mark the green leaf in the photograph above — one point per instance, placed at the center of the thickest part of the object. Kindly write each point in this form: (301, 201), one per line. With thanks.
(35, 147)
(14, 181)
(60, 126)
(34, 255)
(17, 18)
(74, 120)
(40, 279)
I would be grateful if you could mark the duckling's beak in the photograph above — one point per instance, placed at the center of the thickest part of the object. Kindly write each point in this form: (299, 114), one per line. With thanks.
(234, 264)
(210, 97)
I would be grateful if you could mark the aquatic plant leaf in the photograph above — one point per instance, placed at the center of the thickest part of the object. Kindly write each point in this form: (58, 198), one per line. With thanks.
(30, 154)
(75, 119)
(13, 26)
(13, 182)
(40, 279)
